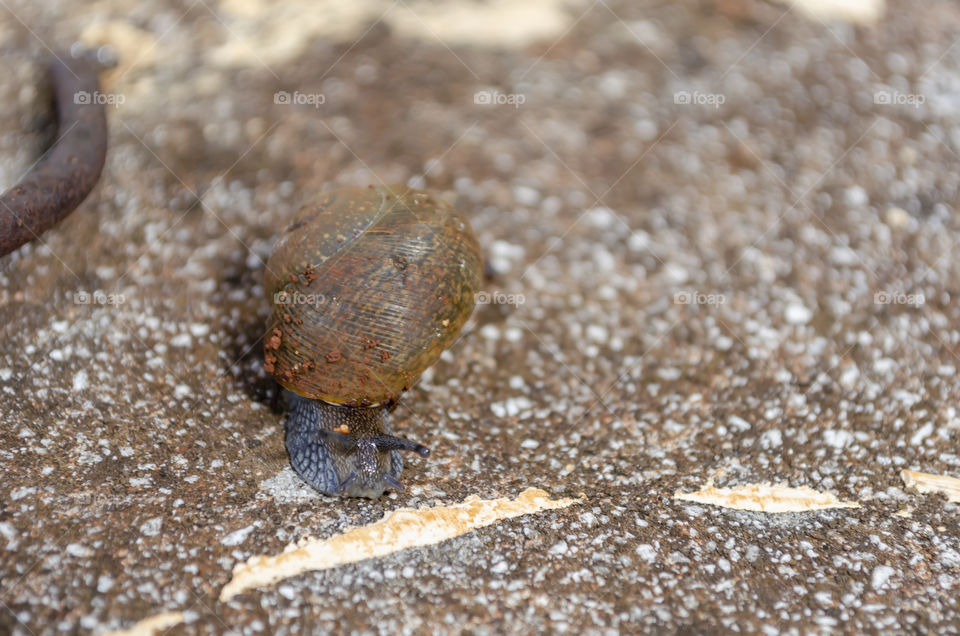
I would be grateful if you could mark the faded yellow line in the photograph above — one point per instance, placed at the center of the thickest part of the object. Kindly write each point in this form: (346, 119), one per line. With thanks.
(264, 32)
(151, 625)
(926, 483)
(766, 498)
(398, 530)
(864, 12)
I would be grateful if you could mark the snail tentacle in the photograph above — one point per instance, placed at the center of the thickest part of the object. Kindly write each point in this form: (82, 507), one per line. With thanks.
(381, 442)
(394, 483)
(392, 442)
(341, 441)
(344, 486)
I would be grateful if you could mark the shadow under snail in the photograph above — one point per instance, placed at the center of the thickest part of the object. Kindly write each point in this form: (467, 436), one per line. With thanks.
(368, 287)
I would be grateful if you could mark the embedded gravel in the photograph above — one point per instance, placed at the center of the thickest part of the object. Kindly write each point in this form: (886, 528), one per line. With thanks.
(722, 244)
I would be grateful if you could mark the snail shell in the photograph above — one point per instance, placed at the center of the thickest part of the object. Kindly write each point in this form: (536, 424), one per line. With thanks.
(368, 287)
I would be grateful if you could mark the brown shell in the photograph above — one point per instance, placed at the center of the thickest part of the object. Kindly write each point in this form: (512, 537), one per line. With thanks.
(369, 286)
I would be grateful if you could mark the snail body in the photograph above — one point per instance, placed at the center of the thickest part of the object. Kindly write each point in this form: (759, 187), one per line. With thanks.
(368, 287)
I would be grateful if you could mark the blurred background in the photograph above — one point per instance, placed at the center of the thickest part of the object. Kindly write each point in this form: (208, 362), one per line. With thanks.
(722, 242)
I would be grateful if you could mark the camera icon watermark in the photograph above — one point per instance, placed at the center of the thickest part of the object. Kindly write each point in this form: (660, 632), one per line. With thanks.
(897, 98)
(98, 297)
(696, 298)
(498, 298)
(697, 98)
(496, 98)
(297, 98)
(92, 500)
(96, 97)
(898, 298)
(298, 298)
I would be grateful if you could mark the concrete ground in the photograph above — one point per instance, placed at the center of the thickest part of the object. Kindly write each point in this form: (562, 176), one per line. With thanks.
(722, 237)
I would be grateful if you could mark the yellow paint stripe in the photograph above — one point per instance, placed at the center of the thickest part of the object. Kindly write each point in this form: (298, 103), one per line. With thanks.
(864, 12)
(766, 498)
(399, 530)
(151, 625)
(926, 483)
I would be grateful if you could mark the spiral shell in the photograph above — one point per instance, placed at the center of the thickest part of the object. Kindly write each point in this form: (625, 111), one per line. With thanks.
(369, 286)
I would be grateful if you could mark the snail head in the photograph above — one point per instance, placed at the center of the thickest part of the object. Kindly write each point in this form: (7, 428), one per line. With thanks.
(346, 451)
(369, 459)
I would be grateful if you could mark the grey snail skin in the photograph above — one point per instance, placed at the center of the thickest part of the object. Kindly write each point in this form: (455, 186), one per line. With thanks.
(368, 287)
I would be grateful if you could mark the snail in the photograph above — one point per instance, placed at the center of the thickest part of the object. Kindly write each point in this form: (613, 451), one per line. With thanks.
(368, 287)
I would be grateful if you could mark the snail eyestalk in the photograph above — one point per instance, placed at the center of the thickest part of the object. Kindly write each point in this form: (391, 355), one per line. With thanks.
(348, 443)
(391, 442)
(363, 462)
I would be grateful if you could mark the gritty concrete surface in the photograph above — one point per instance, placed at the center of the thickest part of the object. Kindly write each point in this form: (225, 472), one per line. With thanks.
(733, 230)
